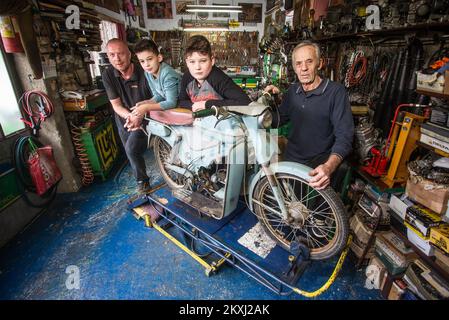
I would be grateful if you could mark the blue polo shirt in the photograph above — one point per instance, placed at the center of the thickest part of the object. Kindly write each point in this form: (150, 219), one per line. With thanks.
(322, 122)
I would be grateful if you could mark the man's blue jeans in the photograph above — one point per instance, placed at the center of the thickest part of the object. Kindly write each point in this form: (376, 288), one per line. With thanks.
(135, 144)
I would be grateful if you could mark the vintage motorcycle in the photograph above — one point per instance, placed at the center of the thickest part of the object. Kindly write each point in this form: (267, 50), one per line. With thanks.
(213, 157)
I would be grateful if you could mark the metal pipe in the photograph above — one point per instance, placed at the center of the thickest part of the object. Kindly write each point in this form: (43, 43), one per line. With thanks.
(411, 95)
(381, 103)
(404, 71)
(391, 94)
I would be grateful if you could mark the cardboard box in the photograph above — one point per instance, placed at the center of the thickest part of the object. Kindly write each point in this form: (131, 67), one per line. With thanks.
(442, 260)
(371, 207)
(357, 248)
(429, 194)
(441, 85)
(425, 282)
(435, 136)
(440, 237)
(376, 273)
(397, 289)
(421, 219)
(422, 244)
(393, 252)
(361, 231)
(388, 284)
(399, 204)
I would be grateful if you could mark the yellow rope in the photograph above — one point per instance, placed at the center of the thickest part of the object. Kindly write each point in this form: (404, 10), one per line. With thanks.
(331, 278)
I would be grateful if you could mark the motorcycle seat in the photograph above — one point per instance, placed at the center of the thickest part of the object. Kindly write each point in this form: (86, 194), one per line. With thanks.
(176, 116)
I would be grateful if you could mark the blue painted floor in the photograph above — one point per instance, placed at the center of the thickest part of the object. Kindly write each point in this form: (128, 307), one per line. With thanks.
(119, 258)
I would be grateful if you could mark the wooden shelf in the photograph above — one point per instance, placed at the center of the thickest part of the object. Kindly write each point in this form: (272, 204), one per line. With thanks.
(434, 94)
(377, 182)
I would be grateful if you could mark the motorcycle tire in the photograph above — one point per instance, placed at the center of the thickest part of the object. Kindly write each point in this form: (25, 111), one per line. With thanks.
(162, 153)
(325, 232)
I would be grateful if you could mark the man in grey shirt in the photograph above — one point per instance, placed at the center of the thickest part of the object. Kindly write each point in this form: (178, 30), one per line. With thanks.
(125, 86)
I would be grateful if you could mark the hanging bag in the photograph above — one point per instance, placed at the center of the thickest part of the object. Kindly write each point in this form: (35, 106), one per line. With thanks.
(43, 168)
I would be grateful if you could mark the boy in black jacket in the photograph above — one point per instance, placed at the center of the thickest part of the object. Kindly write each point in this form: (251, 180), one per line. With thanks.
(205, 85)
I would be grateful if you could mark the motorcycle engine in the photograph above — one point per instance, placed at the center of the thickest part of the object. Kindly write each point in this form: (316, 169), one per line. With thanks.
(211, 179)
(365, 138)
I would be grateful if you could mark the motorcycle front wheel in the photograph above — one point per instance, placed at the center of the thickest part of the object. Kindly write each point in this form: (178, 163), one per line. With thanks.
(316, 218)
(162, 154)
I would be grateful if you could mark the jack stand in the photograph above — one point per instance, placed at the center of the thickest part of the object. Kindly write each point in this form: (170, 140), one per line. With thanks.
(137, 201)
(165, 224)
(278, 271)
(298, 261)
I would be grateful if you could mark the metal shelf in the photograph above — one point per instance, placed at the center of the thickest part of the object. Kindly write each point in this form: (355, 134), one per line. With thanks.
(434, 94)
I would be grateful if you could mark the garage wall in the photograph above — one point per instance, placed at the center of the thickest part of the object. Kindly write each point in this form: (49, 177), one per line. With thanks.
(171, 24)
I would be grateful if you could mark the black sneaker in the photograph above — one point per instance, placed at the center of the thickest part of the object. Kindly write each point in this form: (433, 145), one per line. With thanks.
(143, 187)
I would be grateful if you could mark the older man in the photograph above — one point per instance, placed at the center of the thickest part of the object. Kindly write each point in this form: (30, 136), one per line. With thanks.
(125, 86)
(322, 124)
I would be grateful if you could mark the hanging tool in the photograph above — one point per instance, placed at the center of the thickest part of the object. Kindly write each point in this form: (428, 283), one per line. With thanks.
(37, 109)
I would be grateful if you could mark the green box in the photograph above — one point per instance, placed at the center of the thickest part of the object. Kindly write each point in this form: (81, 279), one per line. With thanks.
(101, 146)
(9, 188)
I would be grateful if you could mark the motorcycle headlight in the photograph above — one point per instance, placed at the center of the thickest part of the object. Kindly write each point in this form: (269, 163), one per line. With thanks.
(265, 120)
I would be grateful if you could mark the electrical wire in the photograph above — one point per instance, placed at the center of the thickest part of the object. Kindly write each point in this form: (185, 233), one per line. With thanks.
(357, 69)
(37, 106)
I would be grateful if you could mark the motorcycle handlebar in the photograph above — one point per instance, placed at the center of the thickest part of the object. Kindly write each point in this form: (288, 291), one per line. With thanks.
(205, 113)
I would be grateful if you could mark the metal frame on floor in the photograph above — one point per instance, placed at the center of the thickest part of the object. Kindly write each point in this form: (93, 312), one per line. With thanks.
(279, 271)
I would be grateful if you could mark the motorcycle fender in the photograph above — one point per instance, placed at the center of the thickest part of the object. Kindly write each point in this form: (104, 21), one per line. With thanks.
(236, 170)
(293, 168)
(158, 129)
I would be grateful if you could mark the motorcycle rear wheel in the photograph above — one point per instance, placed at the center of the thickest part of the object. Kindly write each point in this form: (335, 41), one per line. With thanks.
(317, 217)
(162, 154)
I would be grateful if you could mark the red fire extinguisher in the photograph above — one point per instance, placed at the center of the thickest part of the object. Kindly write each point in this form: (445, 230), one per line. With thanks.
(10, 35)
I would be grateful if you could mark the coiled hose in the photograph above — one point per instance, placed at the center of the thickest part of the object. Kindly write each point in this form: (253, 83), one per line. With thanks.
(81, 152)
(20, 157)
